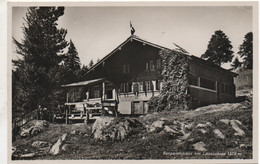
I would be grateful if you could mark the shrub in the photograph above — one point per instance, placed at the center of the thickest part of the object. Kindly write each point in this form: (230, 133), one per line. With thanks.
(175, 82)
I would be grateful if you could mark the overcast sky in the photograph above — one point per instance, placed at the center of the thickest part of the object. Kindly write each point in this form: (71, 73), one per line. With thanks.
(96, 31)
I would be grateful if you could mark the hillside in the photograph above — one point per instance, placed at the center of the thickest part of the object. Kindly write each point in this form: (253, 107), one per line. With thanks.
(221, 131)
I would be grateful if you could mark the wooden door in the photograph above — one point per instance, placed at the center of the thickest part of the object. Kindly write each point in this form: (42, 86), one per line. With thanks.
(138, 107)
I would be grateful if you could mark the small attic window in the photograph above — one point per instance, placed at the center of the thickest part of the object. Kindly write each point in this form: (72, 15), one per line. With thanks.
(147, 66)
(151, 64)
(126, 68)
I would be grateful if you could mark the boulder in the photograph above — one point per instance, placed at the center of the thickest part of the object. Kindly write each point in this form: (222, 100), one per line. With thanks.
(190, 140)
(26, 132)
(75, 132)
(180, 127)
(166, 121)
(245, 146)
(168, 129)
(239, 132)
(41, 124)
(114, 129)
(238, 122)
(64, 147)
(225, 121)
(148, 117)
(99, 125)
(218, 134)
(29, 155)
(235, 125)
(13, 149)
(188, 126)
(208, 124)
(156, 126)
(203, 131)
(56, 148)
(40, 144)
(38, 127)
(199, 146)
(36, 130)
(120, 132)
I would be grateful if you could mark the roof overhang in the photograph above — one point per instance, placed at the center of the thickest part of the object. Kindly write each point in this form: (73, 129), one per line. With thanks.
(84, 83)
(213, 66)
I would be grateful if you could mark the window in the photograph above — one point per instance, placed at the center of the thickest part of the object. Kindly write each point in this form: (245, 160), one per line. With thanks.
(151, 64)
(193, 80)
(95, 92)
(147, 66)
(109, 91)
(109, 94)
(135, 87)
(125, 87)
(141, 88)
(121, 88)
(126, 68)
(148, 86)
(206, 83)
(158, 63)
(157, 85)
(129, 89)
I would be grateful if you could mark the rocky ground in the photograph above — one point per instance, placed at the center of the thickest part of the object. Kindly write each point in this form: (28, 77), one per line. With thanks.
(222, 131)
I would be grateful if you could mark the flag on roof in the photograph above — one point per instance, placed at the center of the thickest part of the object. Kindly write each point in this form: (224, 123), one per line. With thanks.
(132, 29)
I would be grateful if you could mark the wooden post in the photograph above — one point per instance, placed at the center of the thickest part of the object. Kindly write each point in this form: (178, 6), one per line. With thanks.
(73, 95)
(67, 97)
(103, 90)
(87, 94)
(114, 94)
(66, 116)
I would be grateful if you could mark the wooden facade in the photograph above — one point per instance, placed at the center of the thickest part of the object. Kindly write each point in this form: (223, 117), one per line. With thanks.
(209, 84)
(134, 72)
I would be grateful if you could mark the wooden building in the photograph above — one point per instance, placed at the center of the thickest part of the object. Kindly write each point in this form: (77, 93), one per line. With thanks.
(130, 75)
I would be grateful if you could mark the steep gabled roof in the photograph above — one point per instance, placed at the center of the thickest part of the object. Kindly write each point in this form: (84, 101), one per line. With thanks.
(133, 37)
(136, 38)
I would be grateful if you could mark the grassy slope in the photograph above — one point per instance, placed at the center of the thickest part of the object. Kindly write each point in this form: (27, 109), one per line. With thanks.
(143, 145)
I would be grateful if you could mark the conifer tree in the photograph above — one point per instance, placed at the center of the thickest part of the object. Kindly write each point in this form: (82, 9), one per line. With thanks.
(219, 49)
(91, 63)
(37, 71)
(71, 59)
(246, 51)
